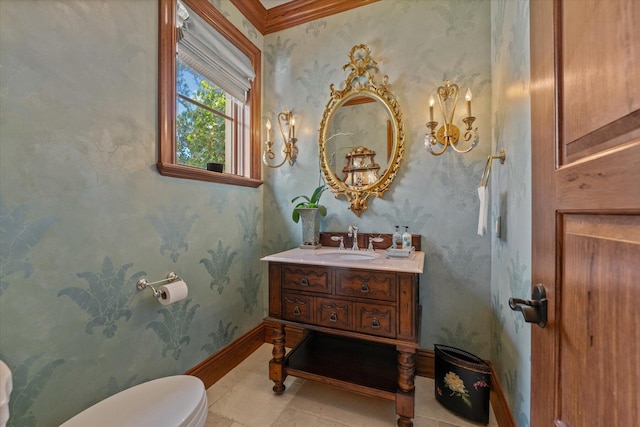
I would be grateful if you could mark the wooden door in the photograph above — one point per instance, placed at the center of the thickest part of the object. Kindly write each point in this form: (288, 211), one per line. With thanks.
(585, 89)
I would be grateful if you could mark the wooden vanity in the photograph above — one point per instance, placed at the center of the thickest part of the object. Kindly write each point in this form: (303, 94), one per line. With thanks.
(359, 314)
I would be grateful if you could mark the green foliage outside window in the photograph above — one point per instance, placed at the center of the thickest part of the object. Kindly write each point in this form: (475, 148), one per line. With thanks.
(200, 132)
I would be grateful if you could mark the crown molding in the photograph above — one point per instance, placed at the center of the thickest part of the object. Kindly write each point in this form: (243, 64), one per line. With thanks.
(294, 13)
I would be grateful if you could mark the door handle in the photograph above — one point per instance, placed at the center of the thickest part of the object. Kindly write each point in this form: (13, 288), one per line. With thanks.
(535, 309)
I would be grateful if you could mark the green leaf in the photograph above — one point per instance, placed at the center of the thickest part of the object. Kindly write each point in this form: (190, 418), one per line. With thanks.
(315, 198)
(300, 197)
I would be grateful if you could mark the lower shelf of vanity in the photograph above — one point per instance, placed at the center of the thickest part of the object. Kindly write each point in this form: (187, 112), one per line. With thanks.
(365, 367)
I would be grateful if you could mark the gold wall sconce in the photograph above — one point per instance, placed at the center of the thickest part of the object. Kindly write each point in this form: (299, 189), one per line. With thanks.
(448, 134)
(287, 125)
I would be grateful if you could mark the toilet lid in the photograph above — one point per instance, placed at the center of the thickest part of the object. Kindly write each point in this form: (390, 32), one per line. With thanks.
(165, 402)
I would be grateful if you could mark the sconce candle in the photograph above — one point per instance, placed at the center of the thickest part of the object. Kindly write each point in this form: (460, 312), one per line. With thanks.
(293, 126)
(431, 102)
(468, 98)
(268, 130)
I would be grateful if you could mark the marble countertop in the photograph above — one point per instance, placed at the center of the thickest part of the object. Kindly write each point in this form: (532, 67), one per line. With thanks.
(332, 257)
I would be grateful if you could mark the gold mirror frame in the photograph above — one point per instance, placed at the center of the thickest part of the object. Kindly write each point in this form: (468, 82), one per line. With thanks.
(360, 82)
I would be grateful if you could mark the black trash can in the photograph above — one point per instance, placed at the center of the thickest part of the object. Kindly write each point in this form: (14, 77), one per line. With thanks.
(462, 383)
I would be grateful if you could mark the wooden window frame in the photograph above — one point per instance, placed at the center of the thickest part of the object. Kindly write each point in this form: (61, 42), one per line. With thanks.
(167, 41)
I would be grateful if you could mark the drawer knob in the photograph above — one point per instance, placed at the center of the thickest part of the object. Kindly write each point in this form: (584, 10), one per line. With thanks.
(296, 311)
(364, 288)
(304, 282)
(375, 323)
(333, 317)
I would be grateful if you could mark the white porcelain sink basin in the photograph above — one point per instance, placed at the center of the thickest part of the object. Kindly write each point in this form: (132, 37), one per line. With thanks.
(348, 255)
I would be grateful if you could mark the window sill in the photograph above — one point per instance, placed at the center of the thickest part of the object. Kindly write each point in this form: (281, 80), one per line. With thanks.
(187, 172)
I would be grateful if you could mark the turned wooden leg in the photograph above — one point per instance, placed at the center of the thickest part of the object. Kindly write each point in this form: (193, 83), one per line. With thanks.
(405, 397)
(406, 370)
(276, 365)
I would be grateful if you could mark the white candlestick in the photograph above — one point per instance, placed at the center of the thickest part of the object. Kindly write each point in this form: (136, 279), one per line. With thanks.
(431, 102)
(293, 126)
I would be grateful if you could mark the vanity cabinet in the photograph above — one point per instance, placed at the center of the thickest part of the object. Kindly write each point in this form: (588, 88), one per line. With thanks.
(360, 323)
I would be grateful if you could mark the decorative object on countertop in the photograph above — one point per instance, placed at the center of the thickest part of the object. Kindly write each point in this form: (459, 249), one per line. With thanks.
(462, 383)
(448, 135)
(346, 124)
(310, 211)
(287, 125)
(400, 253)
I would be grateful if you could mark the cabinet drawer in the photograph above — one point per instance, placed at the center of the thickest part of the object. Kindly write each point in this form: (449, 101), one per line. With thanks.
(311, 279)
(298, 308)
(334, 313)
(366, 284)
(376, 319)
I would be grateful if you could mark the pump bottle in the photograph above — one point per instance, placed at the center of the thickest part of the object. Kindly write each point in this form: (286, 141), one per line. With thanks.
(397, 239)
(406, 238)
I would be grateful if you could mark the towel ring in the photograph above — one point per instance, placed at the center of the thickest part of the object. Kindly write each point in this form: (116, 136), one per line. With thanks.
(484, 180)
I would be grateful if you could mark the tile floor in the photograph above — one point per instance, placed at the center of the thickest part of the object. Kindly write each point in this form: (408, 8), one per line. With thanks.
(244, 398)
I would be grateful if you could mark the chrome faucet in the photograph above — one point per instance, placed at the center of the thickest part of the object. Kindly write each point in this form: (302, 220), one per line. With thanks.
(353, 232)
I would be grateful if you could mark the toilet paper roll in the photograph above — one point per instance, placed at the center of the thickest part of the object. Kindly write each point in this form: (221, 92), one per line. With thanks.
(173, 292)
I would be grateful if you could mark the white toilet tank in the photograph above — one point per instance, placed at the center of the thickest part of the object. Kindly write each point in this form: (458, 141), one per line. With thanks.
(176, 401)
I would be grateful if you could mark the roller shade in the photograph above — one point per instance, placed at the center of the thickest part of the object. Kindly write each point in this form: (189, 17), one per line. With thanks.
(209, 53)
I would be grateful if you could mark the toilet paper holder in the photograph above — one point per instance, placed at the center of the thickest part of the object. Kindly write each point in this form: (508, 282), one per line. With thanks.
(143, 283)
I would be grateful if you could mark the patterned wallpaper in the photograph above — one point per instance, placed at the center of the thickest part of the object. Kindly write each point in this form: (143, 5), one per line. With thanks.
(84, 213)
(511, 200)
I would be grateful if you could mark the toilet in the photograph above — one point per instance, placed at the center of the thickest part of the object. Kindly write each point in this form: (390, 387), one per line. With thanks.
(176, 401)
(6, 386)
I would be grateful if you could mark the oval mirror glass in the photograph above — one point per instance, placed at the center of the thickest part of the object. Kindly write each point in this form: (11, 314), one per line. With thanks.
(360, 141)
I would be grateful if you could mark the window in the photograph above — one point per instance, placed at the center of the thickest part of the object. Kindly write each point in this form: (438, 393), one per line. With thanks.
(209, 96)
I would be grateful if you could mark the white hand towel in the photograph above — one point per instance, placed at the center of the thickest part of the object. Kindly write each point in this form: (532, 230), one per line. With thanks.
(483, 195)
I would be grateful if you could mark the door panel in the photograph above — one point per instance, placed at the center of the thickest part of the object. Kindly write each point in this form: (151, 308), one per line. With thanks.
(585, 112)
(600, 62)
(600, 334)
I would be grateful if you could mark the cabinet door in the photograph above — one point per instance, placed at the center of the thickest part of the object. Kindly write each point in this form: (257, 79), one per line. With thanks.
(334, 313)
(376, 319)
(366, 284)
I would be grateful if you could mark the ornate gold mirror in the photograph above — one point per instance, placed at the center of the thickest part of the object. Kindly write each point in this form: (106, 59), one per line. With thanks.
(361, 134)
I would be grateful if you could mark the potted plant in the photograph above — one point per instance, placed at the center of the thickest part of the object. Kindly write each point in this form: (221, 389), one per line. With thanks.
(310, 210)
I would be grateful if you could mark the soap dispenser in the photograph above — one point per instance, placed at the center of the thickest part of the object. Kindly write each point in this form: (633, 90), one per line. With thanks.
(397, 239)
(406, 238)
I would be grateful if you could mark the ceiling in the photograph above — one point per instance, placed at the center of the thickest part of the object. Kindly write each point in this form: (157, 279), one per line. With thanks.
(268, 4)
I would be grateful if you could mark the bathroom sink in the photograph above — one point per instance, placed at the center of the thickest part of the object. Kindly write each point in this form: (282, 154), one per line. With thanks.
(347, 255)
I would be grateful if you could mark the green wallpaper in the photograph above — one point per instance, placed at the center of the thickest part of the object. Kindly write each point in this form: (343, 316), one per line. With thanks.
(84, 213)
(511, 200)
